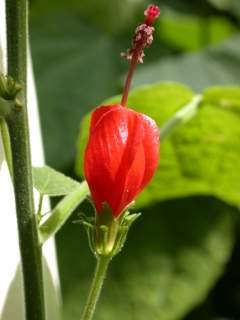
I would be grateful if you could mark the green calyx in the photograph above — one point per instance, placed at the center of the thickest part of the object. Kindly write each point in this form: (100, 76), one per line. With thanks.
(107, 234)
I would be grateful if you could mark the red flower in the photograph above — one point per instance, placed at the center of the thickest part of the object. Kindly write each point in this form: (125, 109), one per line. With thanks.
(121, 156)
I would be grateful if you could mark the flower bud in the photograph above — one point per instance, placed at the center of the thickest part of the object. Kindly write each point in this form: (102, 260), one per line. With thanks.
(121, 156)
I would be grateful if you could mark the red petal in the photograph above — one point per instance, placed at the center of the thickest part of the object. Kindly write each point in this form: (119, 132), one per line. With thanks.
(121, 156)
(133, 180)
(130, 172)
(145, 162)
(100, 112)
(111, 147)
(151, 143)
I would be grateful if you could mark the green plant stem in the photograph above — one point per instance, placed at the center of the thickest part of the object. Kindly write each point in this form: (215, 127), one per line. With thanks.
(62, 212)
(17, 121)
(96, 286)
(6, 144)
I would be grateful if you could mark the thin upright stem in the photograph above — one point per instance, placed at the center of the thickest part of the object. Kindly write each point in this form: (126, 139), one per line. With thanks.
(17, 121)
(96, 287)
(128, 81)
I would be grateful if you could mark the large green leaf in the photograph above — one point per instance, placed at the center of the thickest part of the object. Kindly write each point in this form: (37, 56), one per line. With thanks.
(173, 254)
(225, 97)
(202, 156)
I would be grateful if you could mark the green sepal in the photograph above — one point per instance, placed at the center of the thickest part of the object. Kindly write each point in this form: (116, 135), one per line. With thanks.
(107, 228)
(88, 223)
(126, 222)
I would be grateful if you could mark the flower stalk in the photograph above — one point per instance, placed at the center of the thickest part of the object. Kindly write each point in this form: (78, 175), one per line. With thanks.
(96, 286)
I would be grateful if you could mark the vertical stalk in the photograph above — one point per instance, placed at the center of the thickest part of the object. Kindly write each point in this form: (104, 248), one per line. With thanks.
(30, 250)
(96, 287)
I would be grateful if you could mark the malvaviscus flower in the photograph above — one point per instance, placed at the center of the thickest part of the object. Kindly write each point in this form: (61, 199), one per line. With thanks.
(121, 156)
(122, 153)
(120, 159)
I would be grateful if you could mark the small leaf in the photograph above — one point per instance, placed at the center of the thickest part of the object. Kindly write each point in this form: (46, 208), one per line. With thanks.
(52, 183)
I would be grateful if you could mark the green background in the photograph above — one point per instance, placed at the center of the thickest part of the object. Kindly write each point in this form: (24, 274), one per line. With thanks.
(181, 258)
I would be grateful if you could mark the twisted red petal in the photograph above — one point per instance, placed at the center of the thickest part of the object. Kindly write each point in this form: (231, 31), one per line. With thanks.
(151, 147)
(121, 156)
(99, 113)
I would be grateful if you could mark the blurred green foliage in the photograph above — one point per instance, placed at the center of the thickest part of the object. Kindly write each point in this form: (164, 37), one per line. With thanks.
(232, 6)
(190, 33)
(178, 250)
